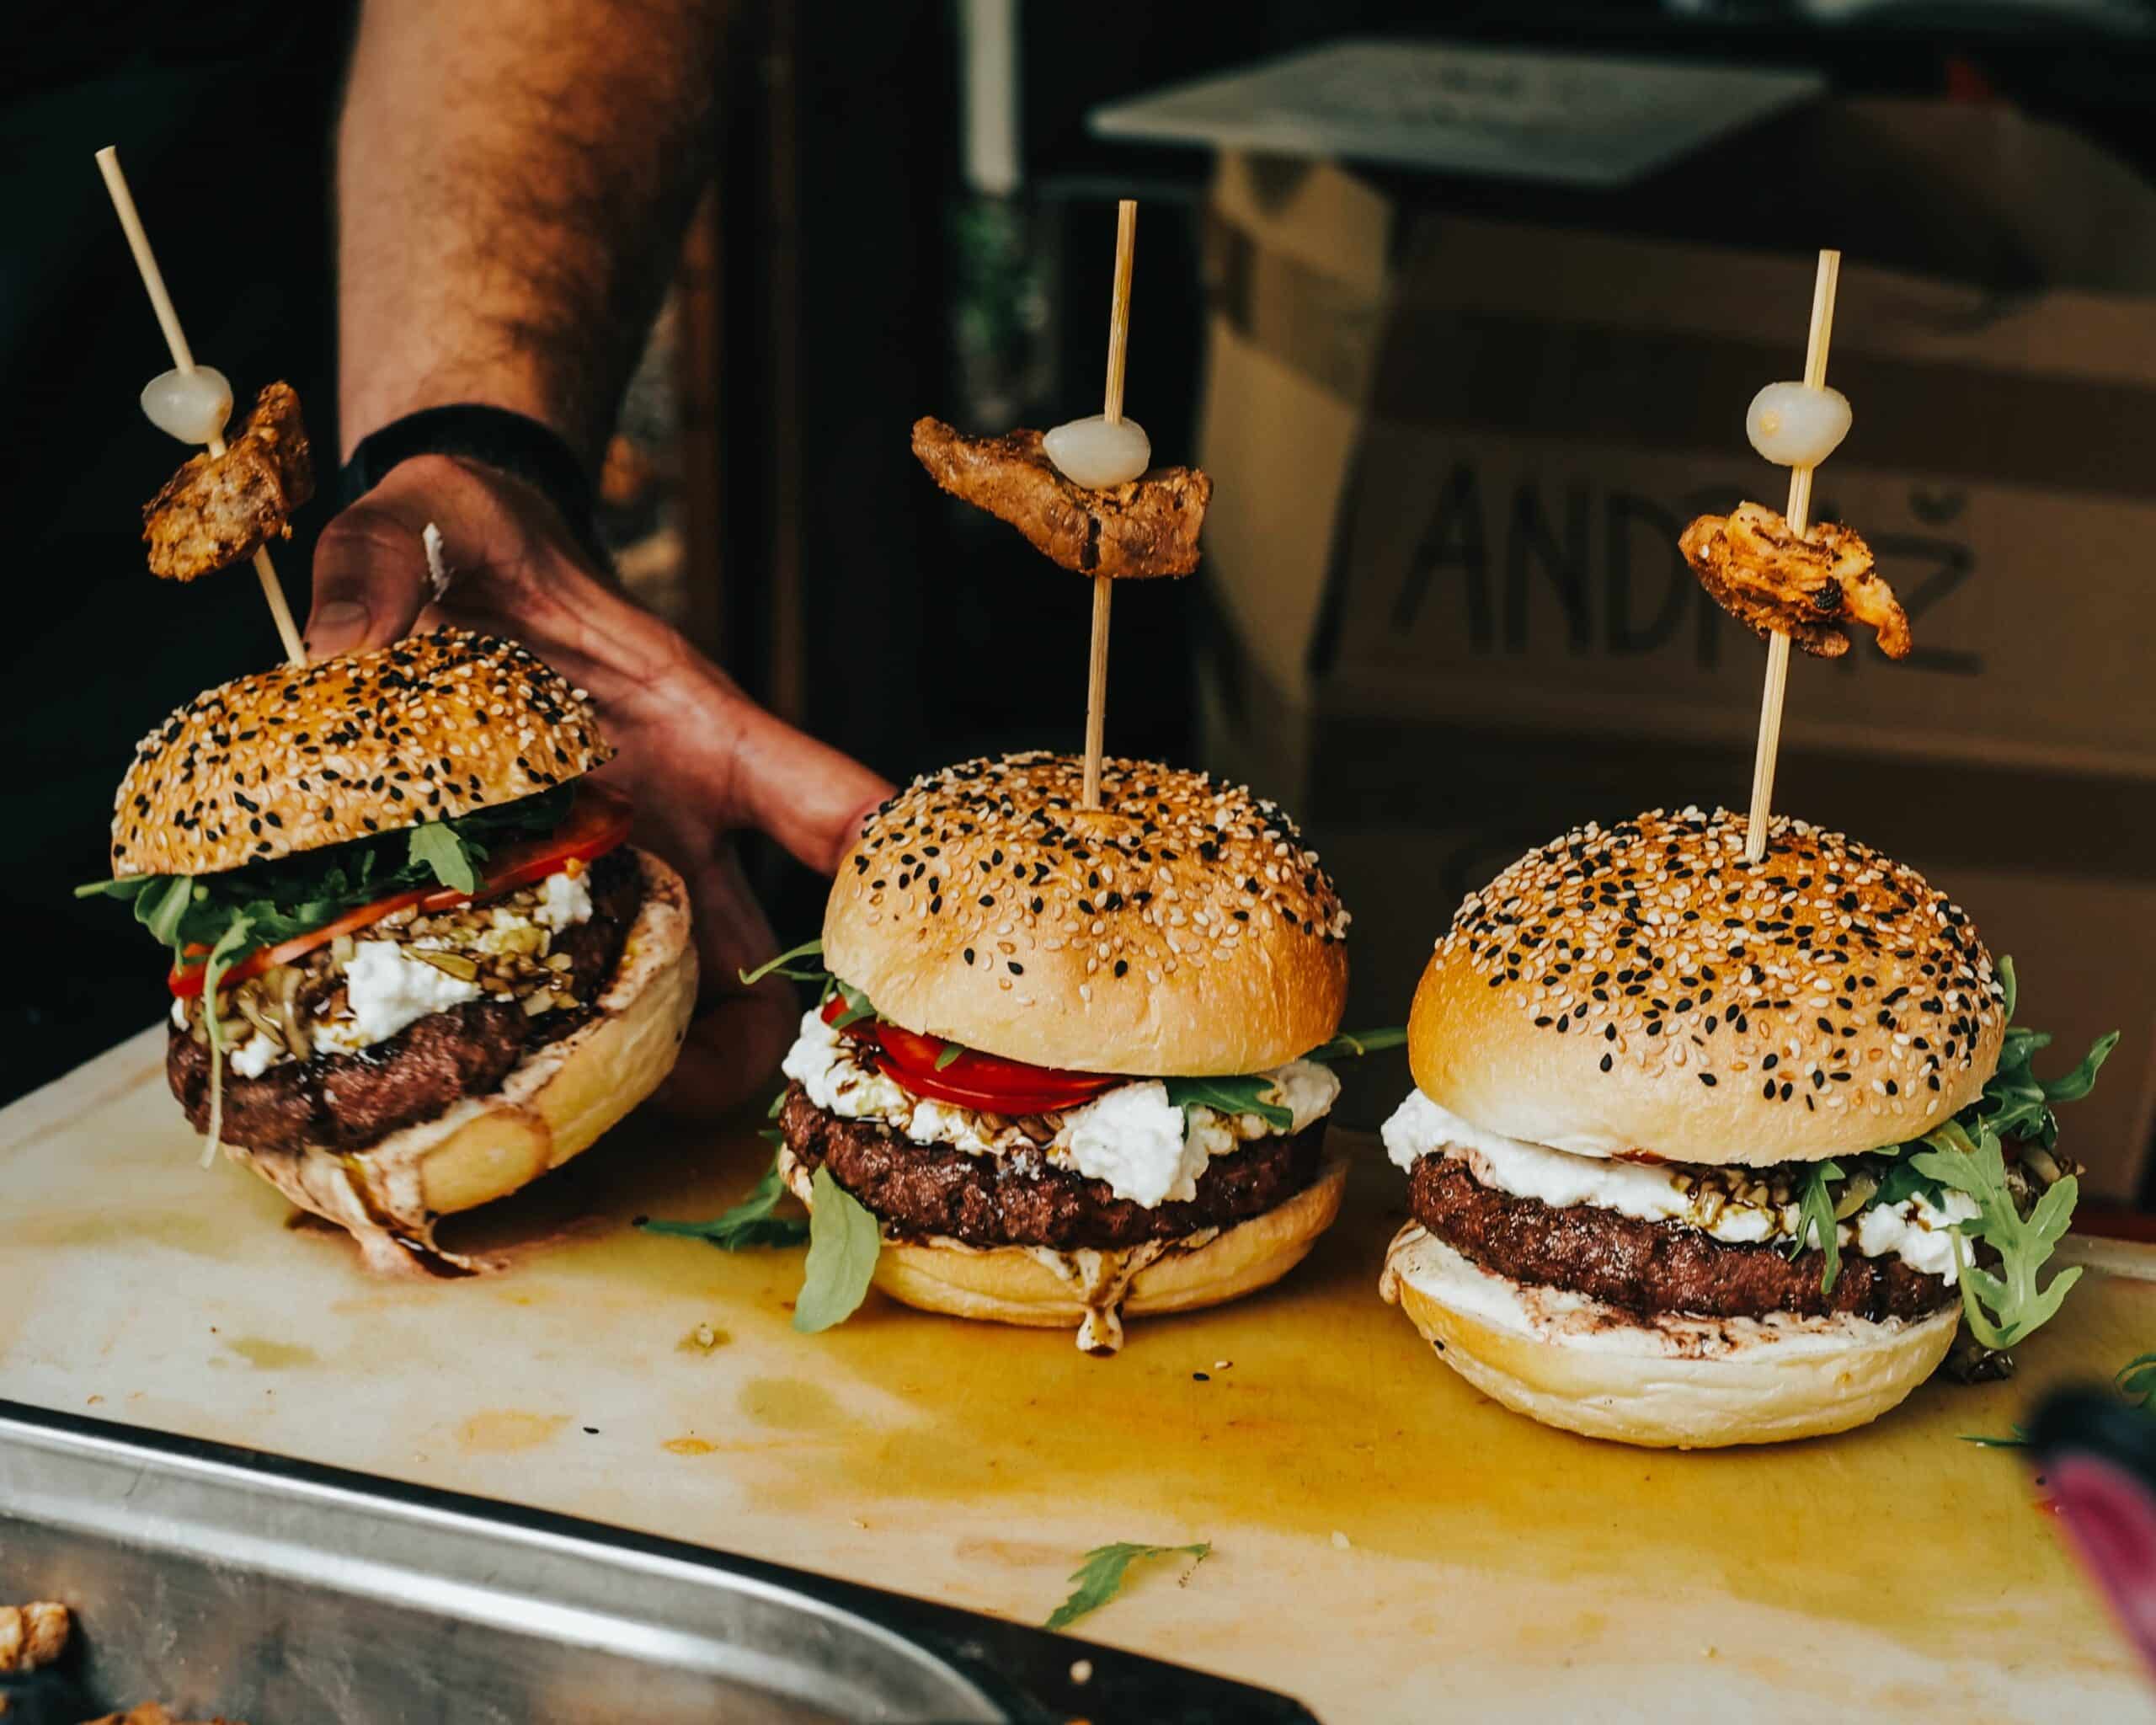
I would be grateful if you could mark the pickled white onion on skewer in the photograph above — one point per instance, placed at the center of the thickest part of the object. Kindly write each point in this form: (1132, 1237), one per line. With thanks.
(195, 406)
(1795, 424)
(1098, 452)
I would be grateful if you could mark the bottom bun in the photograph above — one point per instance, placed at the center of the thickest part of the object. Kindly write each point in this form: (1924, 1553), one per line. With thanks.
(1675, 1382)
(558, 1100)
(1087, 1290)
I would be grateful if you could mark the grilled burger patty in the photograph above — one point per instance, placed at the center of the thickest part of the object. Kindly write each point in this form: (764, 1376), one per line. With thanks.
(1025, 1200)
(346, 1102)
(1648, 1269)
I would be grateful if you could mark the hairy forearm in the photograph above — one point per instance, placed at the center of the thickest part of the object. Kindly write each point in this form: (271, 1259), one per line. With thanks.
(512, 180)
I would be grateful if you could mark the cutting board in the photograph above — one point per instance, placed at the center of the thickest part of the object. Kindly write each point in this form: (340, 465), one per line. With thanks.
(1387, 1544)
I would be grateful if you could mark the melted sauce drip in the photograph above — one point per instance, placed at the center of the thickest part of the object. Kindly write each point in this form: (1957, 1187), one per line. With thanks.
(387, 1224)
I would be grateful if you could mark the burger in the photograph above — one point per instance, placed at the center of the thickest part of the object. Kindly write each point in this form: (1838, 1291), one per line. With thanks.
(1705, 1152)
(1068, 1063)
(415, 964)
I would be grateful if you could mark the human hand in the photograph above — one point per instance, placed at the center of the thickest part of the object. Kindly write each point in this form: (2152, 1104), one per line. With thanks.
(699, 758)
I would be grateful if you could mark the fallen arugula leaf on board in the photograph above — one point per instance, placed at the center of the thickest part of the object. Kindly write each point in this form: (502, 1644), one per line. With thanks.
(1100, 1577)
(843, 1239)
(751, 1223)
(1815, 1214)
(2020, 1440)
(2135, 1380)
(2002, 1306)
(1245, 1095)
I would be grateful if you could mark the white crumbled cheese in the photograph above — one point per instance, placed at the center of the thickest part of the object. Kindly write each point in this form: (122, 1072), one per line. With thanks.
(1132, 1137)
(179, 1014)
(564, 900)
(387, 990)
(255, 1056)
(1914, 1230)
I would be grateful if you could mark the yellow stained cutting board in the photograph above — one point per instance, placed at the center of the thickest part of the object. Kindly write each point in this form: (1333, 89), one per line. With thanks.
(1387, 1544)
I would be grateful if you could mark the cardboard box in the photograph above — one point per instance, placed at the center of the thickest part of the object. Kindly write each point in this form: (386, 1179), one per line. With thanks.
(1453, 456)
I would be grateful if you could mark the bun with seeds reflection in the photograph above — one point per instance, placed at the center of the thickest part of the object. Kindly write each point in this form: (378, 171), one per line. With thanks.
(415, 964)
(1068, 1064)
(1705, 1152)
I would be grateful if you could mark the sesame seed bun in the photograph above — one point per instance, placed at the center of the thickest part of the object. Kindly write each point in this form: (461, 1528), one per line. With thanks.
(1182, 929)
(1676, 1382)
(1643, 987)
(557, 1102)
(426, 730)
(1034, 1286)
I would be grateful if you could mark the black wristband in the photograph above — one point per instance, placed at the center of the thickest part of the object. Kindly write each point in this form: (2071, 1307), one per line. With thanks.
(514, 442)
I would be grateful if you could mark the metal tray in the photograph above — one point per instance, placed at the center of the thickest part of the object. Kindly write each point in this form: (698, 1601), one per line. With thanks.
(223, 1580)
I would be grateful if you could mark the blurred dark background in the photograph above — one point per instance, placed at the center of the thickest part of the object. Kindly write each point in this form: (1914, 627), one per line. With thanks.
(911, 214)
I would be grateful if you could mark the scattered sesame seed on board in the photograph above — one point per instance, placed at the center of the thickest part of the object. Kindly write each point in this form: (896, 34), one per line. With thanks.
(1656, 939)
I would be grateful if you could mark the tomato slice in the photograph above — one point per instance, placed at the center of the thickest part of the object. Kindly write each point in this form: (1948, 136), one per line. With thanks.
(187, 984)
(598, 822)
(986, 1083)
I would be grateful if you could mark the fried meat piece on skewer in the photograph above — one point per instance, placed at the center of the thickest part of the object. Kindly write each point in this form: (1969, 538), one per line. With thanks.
(1147, 527)
(32, 1636)
(1771, 581)
(220, 510)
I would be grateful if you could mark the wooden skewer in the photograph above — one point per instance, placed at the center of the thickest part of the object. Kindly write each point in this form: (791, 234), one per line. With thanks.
(1096, 670)
(1799, 516)
(183, 357)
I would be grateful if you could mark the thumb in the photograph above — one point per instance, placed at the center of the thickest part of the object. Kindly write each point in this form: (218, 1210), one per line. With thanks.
(370, 579)
(806, 794)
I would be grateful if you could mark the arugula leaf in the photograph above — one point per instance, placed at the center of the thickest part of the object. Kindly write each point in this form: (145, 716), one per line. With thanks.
(222, 957)
(778, 1107)
(858, 1005)
(160, 908)
(1815, 1214)
(781, 966)
(1100, 1577)
(2135, 1380)
(1965, 1156)
(1900, 1181)
(2020, 1440)
(2001, 1307)
(844, 1240)
(949, 1053)
(749, 1223)
(1246, 1095)
(435, 845)
(1350, 1045)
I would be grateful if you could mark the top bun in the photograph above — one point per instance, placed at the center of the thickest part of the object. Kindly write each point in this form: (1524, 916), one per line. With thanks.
(1643, 987)
(426, 730)
(1182, 929)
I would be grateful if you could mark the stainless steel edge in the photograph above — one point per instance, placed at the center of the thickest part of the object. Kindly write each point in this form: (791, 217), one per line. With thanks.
(277, 1590)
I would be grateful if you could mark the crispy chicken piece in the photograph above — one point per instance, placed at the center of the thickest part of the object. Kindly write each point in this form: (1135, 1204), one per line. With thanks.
(1147, 527)
(220, 510)
(1771, 581)
(32, 1635)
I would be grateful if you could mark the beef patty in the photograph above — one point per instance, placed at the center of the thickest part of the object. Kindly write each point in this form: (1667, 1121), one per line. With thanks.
(1026, 1200)
(1649, 1268)
(346, 1102)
